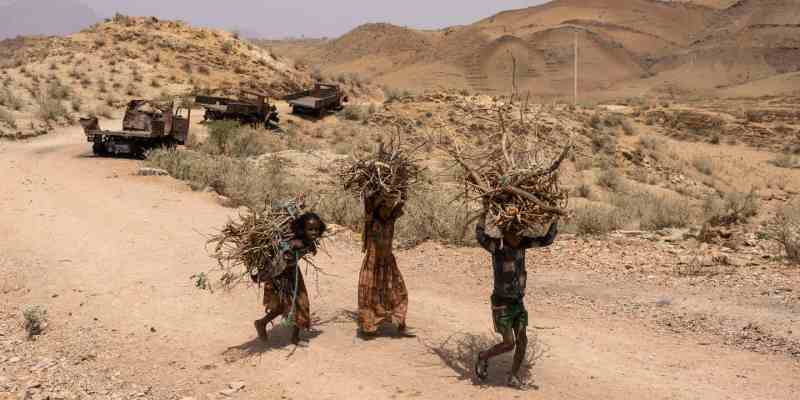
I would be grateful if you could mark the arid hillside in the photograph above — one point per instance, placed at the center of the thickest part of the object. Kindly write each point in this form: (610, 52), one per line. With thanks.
(53, 80)
(625, 49)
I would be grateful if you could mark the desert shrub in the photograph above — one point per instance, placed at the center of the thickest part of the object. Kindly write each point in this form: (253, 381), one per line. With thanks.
(666, 211)
(355, 112)
(155, 84)
(595, 220)
(610, 179)
(583, 190)
(785, 161)
(732, 208)
(654, 211)
(230, 139)
(603, 143)
(431, 214)
(243, 182)
(628, 128)
(50, 109)
(228, 46)
(613, 120)
(76, 103)
(34, 320)
(7, 118)
(10, 100)
(391, 94)
(203, 70)
(704, 165)
(652, 143)
(785, 229)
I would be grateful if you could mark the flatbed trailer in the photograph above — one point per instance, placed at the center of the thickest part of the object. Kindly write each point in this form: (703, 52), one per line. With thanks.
(317, 101)
(250, 111)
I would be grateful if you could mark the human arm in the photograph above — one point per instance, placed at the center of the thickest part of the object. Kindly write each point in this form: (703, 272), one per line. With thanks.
(480, 233)
(543, 241)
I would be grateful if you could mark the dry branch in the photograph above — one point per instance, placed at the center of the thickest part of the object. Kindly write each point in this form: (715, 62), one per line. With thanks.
(248, 247)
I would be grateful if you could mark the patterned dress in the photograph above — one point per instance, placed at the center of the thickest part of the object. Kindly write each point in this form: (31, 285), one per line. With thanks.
(382, 294)
(279, 291)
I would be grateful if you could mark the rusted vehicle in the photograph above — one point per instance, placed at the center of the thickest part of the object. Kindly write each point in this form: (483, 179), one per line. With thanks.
(317, 101)
(146, 125)
(255, 110)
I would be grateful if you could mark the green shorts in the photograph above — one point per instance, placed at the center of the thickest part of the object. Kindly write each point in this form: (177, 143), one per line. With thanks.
(508, 314)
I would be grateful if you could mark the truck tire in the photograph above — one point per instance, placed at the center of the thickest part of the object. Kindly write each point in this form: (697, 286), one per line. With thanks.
(99, 149)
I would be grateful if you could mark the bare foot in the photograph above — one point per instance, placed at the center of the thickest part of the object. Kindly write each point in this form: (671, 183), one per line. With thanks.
(296, 336)
(261, 328)
(402, 329)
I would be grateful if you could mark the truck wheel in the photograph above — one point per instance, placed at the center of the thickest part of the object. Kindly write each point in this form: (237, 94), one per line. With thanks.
(99, 149)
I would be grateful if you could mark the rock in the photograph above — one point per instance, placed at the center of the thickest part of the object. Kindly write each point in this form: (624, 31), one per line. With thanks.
(13, 360)
(228, 392)
(236, 385)
(146, 171)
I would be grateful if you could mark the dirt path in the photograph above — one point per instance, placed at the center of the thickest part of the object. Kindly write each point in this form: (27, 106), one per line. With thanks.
(110, 254)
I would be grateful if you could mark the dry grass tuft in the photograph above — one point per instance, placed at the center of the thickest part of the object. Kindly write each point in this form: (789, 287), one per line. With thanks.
(785, 229)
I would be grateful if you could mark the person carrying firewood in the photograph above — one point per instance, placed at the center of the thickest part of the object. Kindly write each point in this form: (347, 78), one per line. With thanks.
(382, 180)
(285, 291)
(382, 293)
(508, 307)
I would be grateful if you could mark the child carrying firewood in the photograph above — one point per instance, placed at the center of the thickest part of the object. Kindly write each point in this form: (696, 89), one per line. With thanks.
(266, 246)
(382, 180)
(508, 307)
(284, 288)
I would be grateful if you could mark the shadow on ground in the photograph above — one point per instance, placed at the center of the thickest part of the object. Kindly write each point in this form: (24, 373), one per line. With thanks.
(460, 350)
(280, 336)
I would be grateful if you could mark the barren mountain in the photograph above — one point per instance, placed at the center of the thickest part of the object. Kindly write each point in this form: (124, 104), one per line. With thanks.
(625, 48)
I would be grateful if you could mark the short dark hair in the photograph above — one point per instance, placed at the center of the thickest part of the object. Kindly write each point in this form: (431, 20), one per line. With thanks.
(299, 224)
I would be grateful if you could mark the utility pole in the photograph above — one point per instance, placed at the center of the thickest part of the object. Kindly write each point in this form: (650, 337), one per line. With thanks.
(575, 76)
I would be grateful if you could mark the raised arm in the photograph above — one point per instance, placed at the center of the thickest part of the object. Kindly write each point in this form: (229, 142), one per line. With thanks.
(543, 241)
(480, 234)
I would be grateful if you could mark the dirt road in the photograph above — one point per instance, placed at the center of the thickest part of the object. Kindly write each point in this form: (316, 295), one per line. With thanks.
(109, 255)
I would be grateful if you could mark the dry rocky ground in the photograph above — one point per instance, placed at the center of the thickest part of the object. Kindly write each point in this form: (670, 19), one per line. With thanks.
(667, 282)
(637, 311)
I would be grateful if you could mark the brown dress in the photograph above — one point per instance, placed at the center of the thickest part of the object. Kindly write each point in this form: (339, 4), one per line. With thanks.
(382, 294)
(279, 293)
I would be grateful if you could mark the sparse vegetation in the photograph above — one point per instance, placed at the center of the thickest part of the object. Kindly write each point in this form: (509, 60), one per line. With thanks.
(230, 139)
(596, 219)
(785, 229)
(50, 109)
(732, 208)
(610, 179)
(7, 118)
(34, 320)
(10, 100)
(785, 160)
(704, 165)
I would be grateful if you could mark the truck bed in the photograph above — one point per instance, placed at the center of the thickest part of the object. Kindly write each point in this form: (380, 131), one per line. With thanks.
(306, 101)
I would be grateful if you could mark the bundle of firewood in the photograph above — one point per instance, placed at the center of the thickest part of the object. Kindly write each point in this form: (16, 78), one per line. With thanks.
(517, 184)
(247, 248)
(388, 172)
